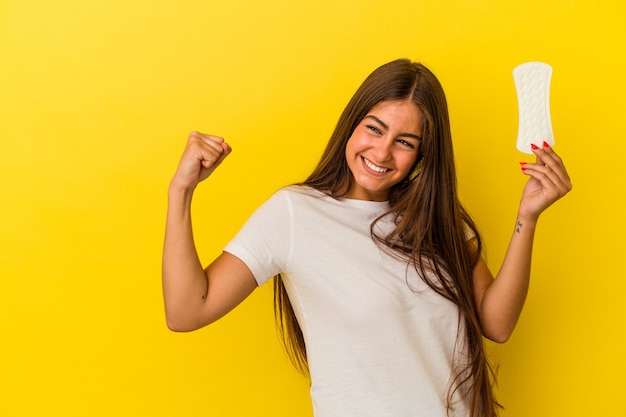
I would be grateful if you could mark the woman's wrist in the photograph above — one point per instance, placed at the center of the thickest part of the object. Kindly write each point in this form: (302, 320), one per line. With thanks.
(177, 188)
(179, 195)
(525, 223)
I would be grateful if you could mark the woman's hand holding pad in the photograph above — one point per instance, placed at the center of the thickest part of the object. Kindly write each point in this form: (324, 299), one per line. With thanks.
(548, 182)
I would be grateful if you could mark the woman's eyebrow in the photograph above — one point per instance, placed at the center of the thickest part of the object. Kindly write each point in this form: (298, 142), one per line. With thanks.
(384, 125)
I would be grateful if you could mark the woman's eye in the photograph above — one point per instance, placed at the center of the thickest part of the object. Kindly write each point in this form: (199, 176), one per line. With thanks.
(406, 143)
(374, 129)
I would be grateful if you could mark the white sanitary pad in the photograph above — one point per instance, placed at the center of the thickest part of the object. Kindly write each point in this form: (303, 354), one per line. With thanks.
(532, 83)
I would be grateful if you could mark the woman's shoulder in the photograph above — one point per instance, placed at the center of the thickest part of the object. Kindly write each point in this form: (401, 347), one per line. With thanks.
(304, 196)
(301, 191)
(309, 196)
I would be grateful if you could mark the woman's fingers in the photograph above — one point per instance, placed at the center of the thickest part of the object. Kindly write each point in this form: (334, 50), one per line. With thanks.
(548, 183)
(206, 148)
(552, 166)
(547, 157)
(202, 155)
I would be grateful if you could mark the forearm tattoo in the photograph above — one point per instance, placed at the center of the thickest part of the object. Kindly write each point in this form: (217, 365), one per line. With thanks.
(518, 227)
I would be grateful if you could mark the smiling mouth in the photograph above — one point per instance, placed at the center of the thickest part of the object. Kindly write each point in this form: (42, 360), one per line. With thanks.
(373, 167)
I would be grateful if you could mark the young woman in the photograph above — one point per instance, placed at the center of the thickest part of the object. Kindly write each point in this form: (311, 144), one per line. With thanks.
(380, 288)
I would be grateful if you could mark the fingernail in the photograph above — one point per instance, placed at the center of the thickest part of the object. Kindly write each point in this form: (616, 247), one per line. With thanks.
(533, 146)
(524, 167)
(545, 144)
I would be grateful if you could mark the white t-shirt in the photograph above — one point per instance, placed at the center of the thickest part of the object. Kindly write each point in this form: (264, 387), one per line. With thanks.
(379, 341)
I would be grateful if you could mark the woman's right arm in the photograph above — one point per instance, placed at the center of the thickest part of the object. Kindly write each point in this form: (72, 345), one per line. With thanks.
(194, 296)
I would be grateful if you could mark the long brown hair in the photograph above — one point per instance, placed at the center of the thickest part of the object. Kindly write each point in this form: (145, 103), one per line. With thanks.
(432, 227)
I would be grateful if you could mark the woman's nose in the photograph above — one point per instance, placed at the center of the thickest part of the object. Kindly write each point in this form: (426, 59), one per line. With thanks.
(383, 150)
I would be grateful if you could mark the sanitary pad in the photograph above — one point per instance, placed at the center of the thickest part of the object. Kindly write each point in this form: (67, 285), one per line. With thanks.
(532, 83)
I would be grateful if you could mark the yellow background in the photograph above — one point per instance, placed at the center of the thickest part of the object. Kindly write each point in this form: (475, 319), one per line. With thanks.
(97, 99)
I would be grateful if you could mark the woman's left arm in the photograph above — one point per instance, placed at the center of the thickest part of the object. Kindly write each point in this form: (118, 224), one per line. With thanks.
(500, 301)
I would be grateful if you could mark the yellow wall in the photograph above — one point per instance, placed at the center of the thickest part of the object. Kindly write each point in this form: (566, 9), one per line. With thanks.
(97, 98)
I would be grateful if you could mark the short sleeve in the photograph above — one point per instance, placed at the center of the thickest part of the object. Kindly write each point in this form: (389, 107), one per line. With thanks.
(264, 240)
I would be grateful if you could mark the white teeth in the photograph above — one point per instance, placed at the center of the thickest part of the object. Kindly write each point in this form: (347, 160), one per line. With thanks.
(374, 167)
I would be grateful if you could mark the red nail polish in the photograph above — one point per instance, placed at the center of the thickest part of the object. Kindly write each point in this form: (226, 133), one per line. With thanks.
(535, 147)
(545, 144)
(524, 167)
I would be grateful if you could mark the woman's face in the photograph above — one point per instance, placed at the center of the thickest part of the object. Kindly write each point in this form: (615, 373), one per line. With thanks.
(383, 148)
